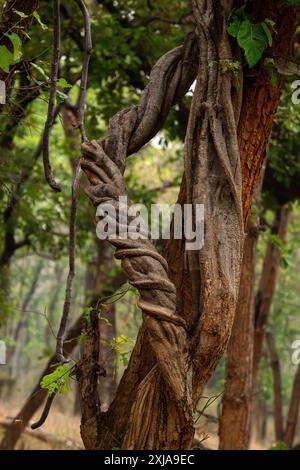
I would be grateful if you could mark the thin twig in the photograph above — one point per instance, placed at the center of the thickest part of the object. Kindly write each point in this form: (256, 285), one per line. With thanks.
(85, 67)
(72, 244)
(52, 97)
(76, 180)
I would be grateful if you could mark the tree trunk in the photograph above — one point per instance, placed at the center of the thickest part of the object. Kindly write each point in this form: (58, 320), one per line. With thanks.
(267, 284)
(18, 337)
(277, 387)
(293, 412)
(235, 422)
(127, 422)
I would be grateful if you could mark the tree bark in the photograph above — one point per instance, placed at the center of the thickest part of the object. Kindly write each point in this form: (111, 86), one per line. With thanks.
(261, 97)
(264, 296)
(171, 374)
(293, 412)
(277, 387)
(235, 422)
(111, 428)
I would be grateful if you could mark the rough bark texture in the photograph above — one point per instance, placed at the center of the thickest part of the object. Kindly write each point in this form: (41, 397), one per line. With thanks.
(267, 284)
(261, 97)
(169, 81)
(259, 104)
(213, 178)
(277, 387)
(145, 269)
(293, 412)
(115, 421)
(235, 423)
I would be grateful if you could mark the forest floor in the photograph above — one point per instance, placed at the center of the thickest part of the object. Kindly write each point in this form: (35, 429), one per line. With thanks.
(61, 431)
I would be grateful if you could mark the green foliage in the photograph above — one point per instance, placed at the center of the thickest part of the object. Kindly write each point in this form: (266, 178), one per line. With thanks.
(21, 14)
(63, 83)
(292, 2)
(284, 316)
(8, 58)
(286, 257)
(38, 19)
(58, 381)
(253, 38)
(279, 446)
(87, 313)
(118, 345)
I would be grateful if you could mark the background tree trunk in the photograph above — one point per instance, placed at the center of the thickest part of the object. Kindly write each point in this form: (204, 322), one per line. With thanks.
(267, 285)
(293, 412)
(38, 395)
(235, 421)
(277, 387)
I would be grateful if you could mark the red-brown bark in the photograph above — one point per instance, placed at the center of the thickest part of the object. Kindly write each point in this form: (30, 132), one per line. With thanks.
(235, 421)
(277, 386)
(264, 296)
(293, 411)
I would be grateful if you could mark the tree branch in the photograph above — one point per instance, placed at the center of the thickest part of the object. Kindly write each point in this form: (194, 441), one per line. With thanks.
(52, 97)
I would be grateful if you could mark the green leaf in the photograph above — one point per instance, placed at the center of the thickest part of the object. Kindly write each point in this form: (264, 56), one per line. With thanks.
(270, 22)
(40, 70)
(267, 33)
(17, 45)
(252, 39)
(38, 19)
(6, 59)
(57, 381)
(234, 26)
(63, 83)
(20, 13)
(61, 97)
(279, 446)
(87, 313)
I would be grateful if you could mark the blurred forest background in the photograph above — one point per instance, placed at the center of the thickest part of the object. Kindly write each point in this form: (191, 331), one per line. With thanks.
(128, 38)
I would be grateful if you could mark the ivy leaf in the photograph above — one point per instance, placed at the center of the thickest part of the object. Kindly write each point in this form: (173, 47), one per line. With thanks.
(252, 38)
(17, 45)
(234, 26)
(6, 59)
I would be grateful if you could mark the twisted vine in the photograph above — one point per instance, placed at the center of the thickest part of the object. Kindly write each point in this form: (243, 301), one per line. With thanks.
(104, 164)
(213, 177)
